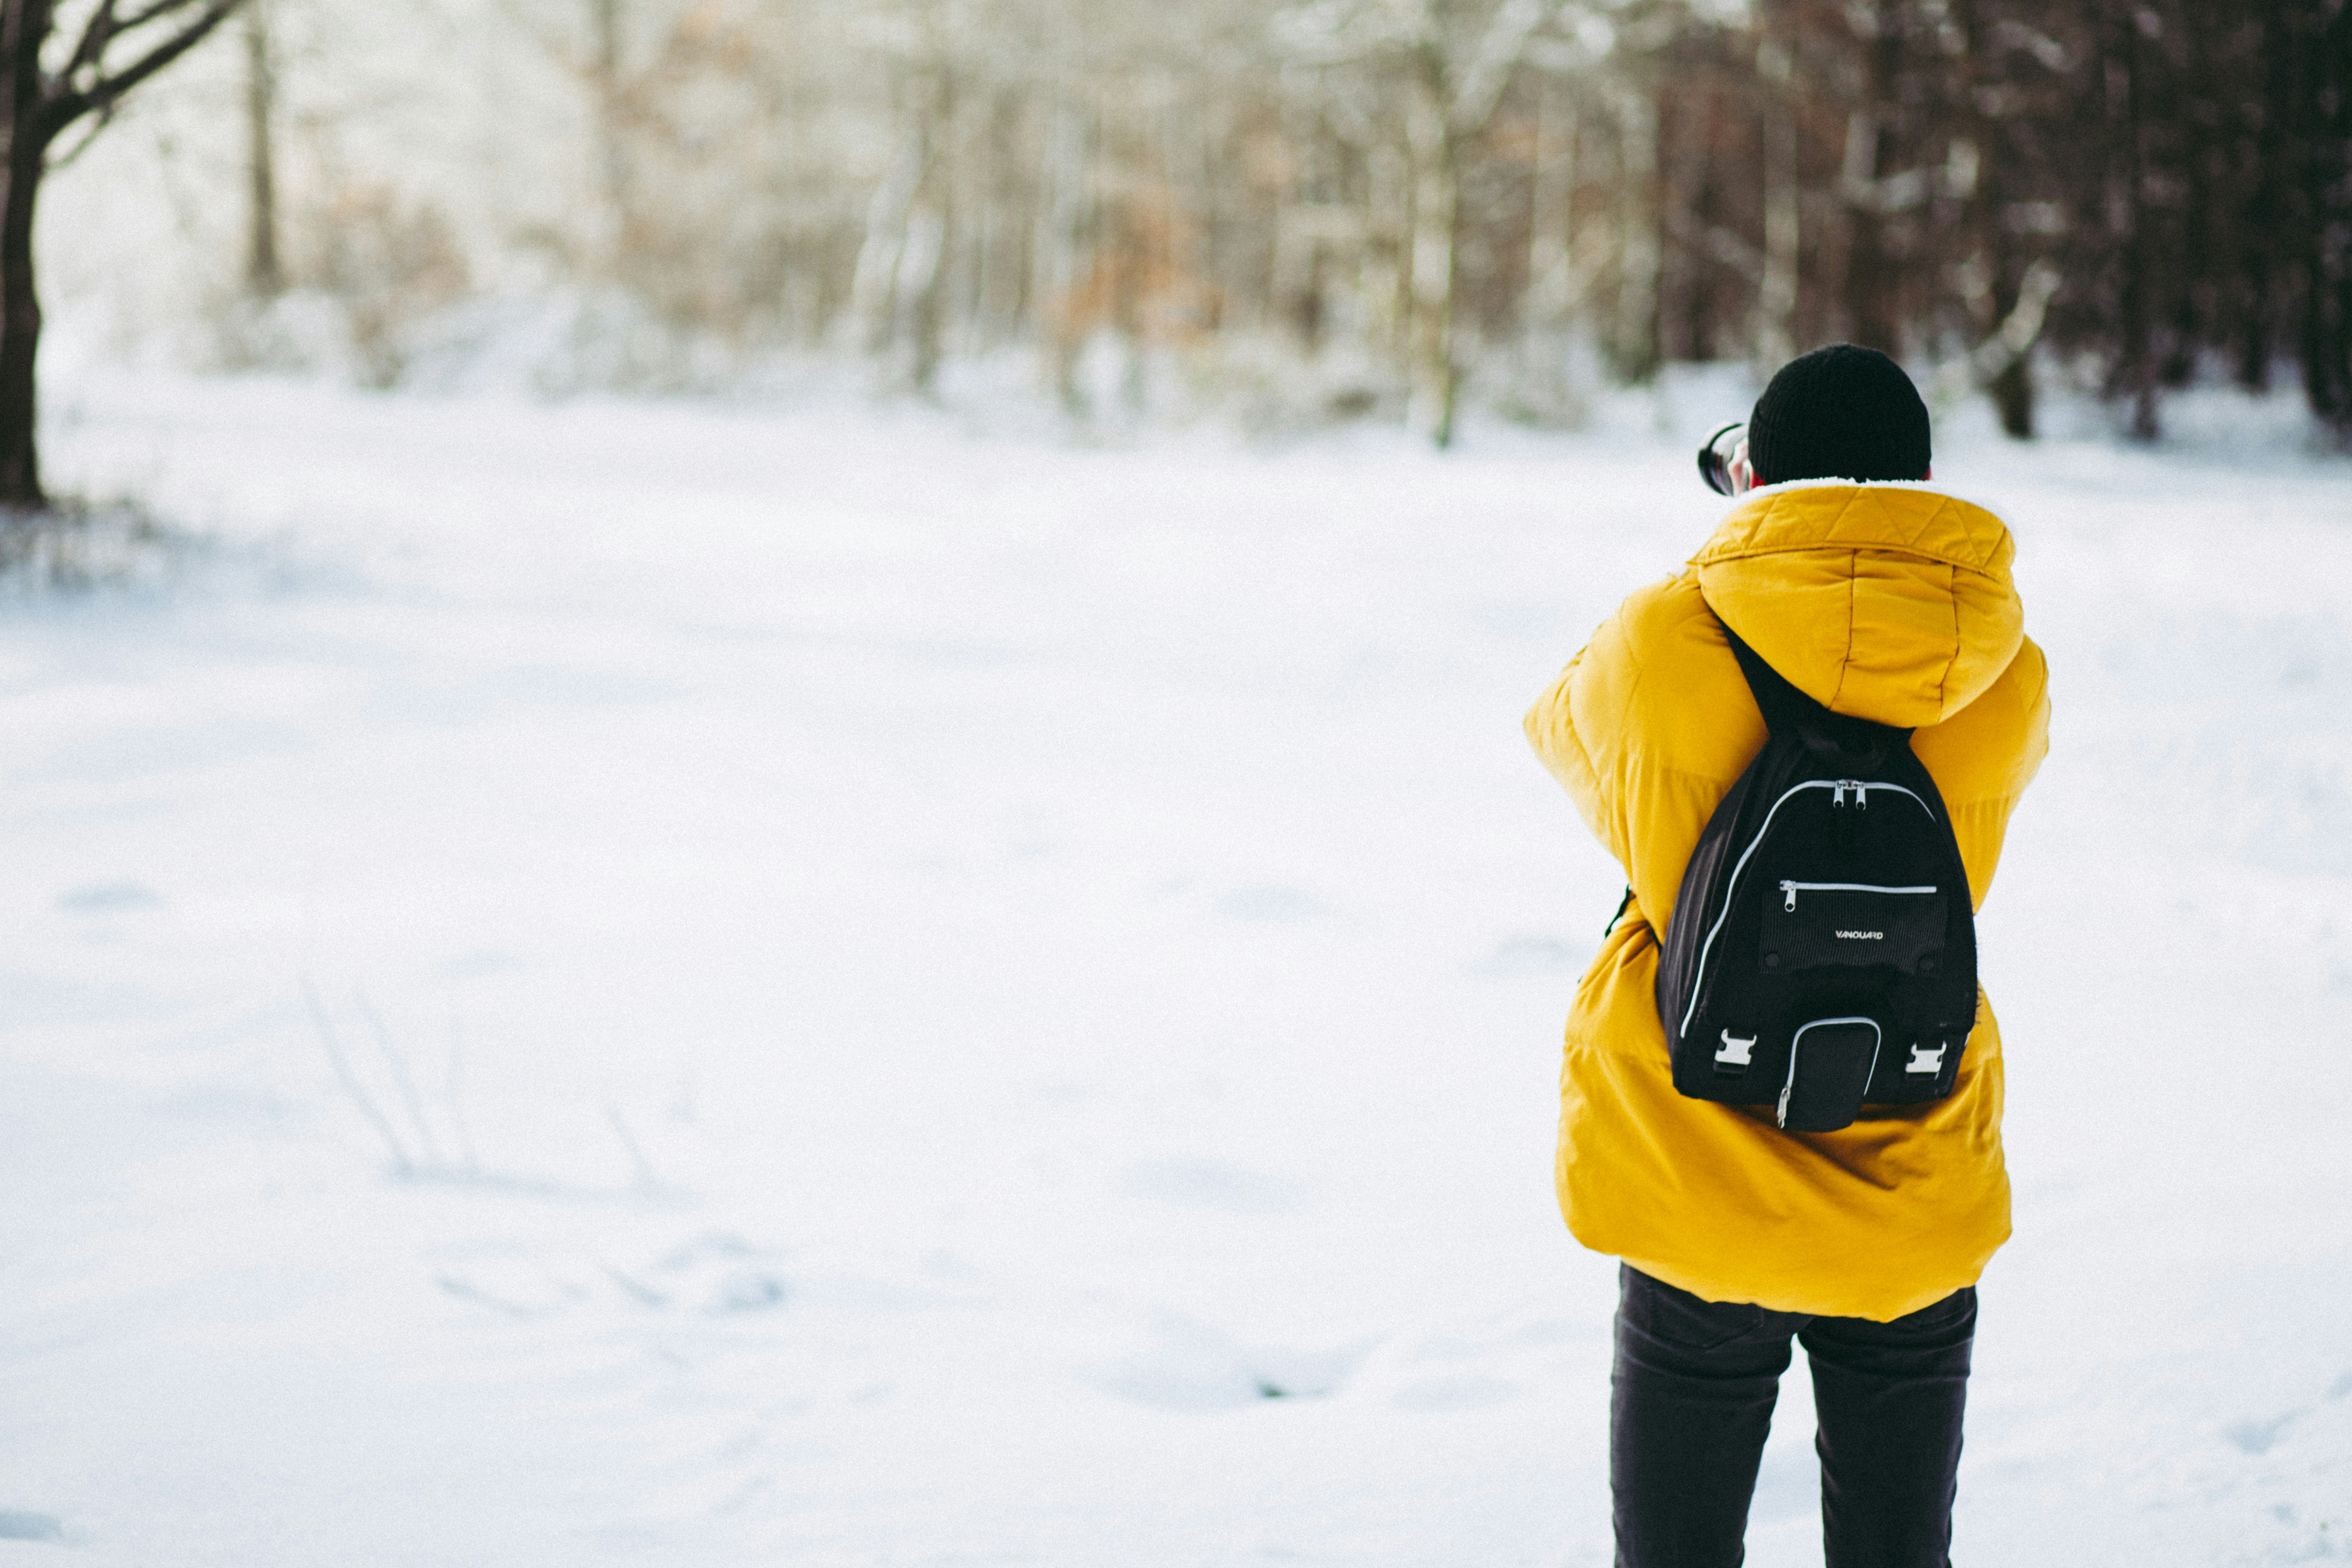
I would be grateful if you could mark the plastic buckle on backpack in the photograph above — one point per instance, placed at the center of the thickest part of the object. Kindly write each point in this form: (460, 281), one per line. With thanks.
(1734, 1057)
(1926, 1061)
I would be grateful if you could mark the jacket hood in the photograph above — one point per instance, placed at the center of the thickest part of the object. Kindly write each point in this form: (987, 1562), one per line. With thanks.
(1888, 602)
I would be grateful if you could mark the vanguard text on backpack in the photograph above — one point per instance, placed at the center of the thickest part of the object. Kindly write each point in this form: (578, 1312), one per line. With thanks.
(1823, 949)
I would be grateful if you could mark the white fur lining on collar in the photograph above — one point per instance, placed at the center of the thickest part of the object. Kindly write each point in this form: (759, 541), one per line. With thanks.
(1926, 487)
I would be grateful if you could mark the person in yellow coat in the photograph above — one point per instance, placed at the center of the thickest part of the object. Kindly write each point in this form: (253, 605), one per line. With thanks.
(1879, 597)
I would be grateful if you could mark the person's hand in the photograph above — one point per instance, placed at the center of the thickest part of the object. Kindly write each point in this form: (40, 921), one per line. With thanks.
(1743, 473)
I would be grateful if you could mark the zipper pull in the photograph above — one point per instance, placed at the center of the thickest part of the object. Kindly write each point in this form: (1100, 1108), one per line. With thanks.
(1862, 794)
(1837, 792)
(1789, 889)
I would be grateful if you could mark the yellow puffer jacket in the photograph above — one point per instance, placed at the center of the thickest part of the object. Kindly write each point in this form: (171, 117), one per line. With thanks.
(1887, 602)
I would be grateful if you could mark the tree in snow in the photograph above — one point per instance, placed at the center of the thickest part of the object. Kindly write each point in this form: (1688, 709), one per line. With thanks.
(1445, 65)
(62, 68)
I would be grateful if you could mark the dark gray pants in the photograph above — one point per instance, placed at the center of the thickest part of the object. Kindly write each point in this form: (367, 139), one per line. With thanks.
(1691, 1400)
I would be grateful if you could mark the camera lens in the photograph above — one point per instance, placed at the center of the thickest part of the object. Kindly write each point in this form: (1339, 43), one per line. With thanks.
(1715, 459)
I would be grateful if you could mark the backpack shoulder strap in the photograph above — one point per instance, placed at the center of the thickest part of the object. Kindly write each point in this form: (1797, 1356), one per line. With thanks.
(1784, 706)
(1789, 711)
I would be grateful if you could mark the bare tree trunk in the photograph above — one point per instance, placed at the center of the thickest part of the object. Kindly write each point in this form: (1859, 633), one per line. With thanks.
(1869, 293)
(2326, 174)
(2012, 398)
(924, 270)
(1062, 218)
(1552, 215)
(1547, 311)
(1435, 198)
(984, 238)
(2269, 211)
(902, 266)
(2134, 373)
(34, 108)
(23, 24)
(612, 143)
(1640, 251)
(1684, 309)
(922, 274)
(1776, 294)
(2001, 309)
(265, 276)
(888, 215)
(1864, 283)
(1293, 263)
(1385, 278)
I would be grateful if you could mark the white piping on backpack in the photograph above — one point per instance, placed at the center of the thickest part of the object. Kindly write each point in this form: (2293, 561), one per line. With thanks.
(1731, 889)
(1793, 888)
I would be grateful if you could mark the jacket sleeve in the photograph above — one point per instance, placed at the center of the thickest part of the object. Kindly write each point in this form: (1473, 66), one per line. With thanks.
(1996, 745)
(1575, 729)
(1648, 728)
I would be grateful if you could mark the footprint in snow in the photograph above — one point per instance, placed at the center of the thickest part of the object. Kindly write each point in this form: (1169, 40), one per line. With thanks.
(716, 1273)
(1269, 905)
(2258, 1436)
(1473, 1366)
(31, 1527)
(746, 1290)
(1188, 1365)
(107, 899)
(515, 1296)
(1212, 1185)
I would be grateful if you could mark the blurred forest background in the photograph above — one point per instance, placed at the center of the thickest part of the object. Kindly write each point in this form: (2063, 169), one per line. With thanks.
(1348, 207)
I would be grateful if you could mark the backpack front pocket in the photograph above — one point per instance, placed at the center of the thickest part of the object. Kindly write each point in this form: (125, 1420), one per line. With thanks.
(1830, 1063)
(1852, 925)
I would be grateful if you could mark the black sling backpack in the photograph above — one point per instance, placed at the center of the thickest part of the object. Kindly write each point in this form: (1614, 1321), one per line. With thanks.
(1822, 952)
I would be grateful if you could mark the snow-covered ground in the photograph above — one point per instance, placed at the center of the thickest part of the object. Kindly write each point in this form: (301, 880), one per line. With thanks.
(956, 999)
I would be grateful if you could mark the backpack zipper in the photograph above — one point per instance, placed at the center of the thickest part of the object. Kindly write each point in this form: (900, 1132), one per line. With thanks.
(1731, 889)
(1793, 888)
(1862, 788)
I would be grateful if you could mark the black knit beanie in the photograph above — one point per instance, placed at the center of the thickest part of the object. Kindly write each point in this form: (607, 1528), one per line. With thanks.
(1839, 413)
